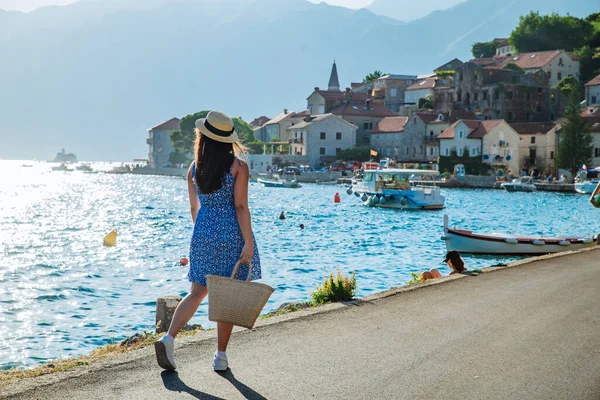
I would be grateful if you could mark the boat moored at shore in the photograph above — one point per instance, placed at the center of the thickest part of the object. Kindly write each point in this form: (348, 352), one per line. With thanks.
(391, 188)
(465, 241)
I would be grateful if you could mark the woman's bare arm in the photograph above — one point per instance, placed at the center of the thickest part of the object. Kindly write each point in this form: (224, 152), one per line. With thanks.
(194, 200)
(240, 193)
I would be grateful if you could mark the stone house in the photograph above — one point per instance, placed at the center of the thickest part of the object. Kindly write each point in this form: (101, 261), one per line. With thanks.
(276, 129)
(503, 47)
(159, 143)
(258, 122)
(390, 90)
(385, 136)
(424, 89)
(449, 66)
(495, 93)
(364, 117)
(592, 91)
(324, 101)
(320, 137)
(493, 143)
(537, 147)
(556, 64)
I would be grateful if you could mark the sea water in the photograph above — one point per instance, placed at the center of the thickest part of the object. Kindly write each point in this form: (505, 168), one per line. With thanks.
(62, 293)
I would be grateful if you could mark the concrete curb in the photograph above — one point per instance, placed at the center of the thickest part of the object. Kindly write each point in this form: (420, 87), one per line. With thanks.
(28, 384)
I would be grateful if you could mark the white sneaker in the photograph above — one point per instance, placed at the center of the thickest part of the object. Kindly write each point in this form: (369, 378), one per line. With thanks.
(164, 352)
(220, 363)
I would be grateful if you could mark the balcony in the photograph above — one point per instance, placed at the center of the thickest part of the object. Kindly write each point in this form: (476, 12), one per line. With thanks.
(430, 139)
(297, 141)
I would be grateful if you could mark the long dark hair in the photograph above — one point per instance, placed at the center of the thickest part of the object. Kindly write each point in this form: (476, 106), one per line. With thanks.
(213, 161)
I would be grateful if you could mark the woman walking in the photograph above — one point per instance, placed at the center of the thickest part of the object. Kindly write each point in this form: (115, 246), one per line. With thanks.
(218, 191)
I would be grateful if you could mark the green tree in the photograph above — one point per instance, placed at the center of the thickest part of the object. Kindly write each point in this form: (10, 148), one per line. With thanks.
(426, 103)
(183, 139)
(373, 76)
(567, 85)
(355, 154)
(537, 32)
(484, 49)
(576, 142)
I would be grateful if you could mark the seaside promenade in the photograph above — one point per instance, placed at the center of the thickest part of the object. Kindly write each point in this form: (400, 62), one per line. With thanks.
(529, 331)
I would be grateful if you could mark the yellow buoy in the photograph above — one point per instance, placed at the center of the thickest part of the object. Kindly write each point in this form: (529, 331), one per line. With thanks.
(110, 239)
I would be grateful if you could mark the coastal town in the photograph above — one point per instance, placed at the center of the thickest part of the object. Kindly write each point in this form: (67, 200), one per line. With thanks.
(499, 116)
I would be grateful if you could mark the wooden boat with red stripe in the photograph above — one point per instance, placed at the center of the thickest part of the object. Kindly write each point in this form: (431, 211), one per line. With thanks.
(465, 241)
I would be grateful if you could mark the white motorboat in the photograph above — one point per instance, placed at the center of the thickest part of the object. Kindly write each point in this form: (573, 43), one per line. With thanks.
(85, 167)
(586, 181)
(522, 184)
(62, 167)
(279, 183)
(390, 188)
(465, 241)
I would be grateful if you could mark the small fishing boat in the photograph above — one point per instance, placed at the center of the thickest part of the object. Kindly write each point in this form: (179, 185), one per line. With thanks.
(391, 188)
(62, 167)
(465, 241)
(522, 184)
(85, 167)
(279, 183)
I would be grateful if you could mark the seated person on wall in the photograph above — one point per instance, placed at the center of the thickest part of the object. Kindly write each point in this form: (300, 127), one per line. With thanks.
(454, 261)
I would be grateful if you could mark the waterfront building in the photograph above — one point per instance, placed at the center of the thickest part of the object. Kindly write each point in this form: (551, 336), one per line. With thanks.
(537, 146)
(592, 91)
(385, 136)
(319, 138)
(591, 115)
(159, 143)
(489, 144)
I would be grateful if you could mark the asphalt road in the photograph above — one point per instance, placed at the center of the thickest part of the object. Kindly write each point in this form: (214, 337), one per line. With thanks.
(529, 332)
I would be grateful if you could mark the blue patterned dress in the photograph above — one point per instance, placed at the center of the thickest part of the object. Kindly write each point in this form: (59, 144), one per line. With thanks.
(217, 240)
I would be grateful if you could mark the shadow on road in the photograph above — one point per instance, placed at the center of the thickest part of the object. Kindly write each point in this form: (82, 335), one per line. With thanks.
(173, 383)
(247, 392)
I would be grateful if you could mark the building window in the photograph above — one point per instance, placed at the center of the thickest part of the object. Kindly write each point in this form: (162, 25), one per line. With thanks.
(496, 95)
(337, 150)
(338, 136)
(461, 134)
(552, 155)
(396, 136)
(323, 135)
(460, 76)
(559, 76)
(596, 152)
(447, 151)
(560, 62)
(476, 96)
(593, 99)
(510, 94)
(394, 92)
(538, 108)
(459, 96)
(510, 115)
(322, 151)
(460, 152)
(310, 109)
(539, 90)
(528, 116)
(484, 94)
(533, 140)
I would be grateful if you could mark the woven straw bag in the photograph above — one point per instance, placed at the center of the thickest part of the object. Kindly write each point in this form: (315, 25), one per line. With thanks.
(237, 302)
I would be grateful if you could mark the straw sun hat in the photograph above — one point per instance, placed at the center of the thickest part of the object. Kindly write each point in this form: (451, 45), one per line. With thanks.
(217, 126)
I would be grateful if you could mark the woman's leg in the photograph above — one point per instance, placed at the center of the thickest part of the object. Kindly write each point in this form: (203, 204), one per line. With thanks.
(223, 335)
(435, 273)
(187, 308)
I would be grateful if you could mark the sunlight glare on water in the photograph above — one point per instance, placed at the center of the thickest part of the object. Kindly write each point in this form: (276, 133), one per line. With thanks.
(62, 293)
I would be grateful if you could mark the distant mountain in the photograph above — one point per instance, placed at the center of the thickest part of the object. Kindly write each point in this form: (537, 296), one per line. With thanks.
(408, 10)
(91, 77)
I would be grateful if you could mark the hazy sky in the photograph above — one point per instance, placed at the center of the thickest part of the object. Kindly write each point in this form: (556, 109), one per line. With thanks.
(28, 5)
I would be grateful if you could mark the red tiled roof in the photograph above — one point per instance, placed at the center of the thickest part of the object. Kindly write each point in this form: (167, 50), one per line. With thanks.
(170, 125)
(427, 117)
(390, 124)
(532, 128)
(455, 115)
(374, 110)
(594, 82)
(592, 111)
(334, 95)
(429, 83)
(535, 59)
(477, 129)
